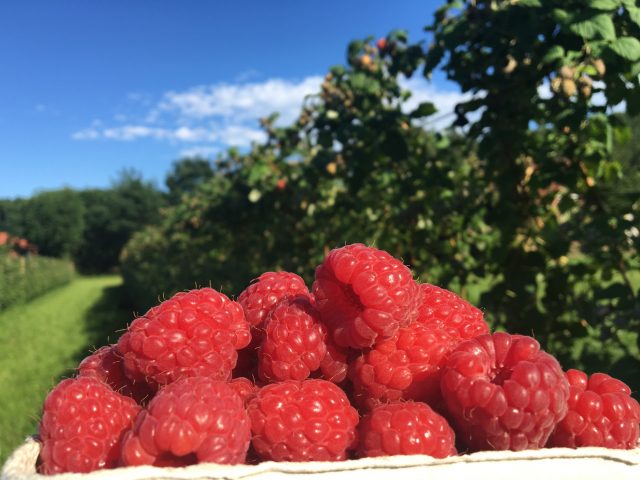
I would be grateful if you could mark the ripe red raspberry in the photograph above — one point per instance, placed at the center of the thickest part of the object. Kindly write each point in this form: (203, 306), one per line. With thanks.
(302, 421)
(293, 344)
(406, 366)
(601, 413)
(244, 387)
(192, 420)
(364, 295)
(408, 428)
(193, 333)
(503, 393)
(335, 364)
(265, 293)
(448, 311)
(82, 425)
(105, 364)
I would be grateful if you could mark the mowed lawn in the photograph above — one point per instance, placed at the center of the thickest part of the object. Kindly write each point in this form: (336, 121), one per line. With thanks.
(44, 340)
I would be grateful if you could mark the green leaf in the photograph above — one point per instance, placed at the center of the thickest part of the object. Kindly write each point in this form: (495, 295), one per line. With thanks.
(529, 3)
(561, 16)
(599, 25)
(609, 142)
(554, 53)
(399, 36)
(424, 110)
(634, 14)
(604, 4)
(434, 56)
(627, 47)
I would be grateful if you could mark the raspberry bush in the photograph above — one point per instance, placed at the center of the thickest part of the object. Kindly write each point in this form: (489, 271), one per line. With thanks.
(525, 201)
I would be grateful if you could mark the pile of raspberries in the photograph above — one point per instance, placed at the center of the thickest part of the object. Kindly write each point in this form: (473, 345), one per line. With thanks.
(368, 363)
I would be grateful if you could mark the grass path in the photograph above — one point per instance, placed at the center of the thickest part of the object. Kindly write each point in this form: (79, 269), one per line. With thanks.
(44, 340)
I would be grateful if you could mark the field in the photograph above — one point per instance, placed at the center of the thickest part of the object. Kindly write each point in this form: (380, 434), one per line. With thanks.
(44, 340)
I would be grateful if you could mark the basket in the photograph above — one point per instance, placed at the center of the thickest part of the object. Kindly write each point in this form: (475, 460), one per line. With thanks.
(544, 464)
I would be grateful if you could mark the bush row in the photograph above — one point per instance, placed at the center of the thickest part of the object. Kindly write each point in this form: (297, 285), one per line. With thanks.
(523, 222)
(24, 278)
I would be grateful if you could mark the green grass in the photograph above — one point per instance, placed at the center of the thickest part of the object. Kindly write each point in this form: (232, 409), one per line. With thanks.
(44, 340)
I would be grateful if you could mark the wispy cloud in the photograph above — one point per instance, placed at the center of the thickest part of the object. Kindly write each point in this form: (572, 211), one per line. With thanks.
(243, 102)
(208, 118)
(198, 151)
(218, 116)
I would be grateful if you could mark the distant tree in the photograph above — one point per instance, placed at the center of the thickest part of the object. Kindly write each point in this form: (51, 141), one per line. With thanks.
(112, 216)
(54, 221)
(186, 175)
(12, 216)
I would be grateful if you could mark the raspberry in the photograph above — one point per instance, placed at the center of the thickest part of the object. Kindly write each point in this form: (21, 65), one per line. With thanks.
(244, 387)
(409, 428)
(335, 363)
(364, 295)
(601, 413)
(406, 366)
(264, 294)
(503, 393)
(193, 333)
(82, 424)
(293, 344)
(257, 300)
(448, 311)
(105, 364)
(302, 421)
(193, 420)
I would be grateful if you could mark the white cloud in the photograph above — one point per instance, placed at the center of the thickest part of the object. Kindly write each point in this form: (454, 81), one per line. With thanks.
(243, 101)
(222, 115)
(199, 151)
(86, 134)
(240, 135)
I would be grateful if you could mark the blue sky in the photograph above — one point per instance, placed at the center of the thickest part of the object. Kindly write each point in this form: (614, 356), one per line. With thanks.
(89, 88)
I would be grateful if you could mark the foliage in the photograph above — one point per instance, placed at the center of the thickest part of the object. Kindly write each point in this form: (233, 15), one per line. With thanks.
(111, 217)
(356, 166)
(523, 214)
(185, 176)
(24, 278)
(89, 226)
(52, 220)
(566, 251)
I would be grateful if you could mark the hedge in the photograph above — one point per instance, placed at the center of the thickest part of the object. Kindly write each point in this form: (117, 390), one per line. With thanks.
(24, 278)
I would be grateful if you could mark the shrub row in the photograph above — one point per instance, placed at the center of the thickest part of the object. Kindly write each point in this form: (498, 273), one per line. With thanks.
(519, 221)
(24, 278)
